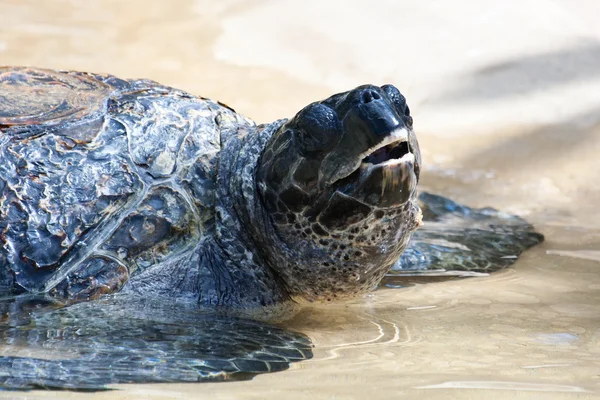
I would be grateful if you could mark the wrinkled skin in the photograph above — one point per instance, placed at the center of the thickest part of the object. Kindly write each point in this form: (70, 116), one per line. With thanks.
(128, 186)
(339, 180)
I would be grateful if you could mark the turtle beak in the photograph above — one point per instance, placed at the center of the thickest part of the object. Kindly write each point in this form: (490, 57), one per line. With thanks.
(370, 122)
(374, 116)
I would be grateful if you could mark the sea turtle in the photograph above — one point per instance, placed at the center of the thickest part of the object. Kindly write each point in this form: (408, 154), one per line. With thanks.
(110, 185)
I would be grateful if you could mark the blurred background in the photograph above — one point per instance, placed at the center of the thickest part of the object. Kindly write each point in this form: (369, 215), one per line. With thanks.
(506, 102)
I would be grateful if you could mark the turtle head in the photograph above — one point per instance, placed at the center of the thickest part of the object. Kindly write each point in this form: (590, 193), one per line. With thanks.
(339, 181)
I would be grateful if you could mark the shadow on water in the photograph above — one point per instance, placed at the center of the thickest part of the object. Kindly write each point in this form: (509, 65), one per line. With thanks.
(555, 142)
(546, 166)
(546, 162)
(551, 159)
(529, 74)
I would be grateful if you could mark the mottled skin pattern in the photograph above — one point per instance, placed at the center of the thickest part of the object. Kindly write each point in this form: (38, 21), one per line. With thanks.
(107, 184)
(340, 226)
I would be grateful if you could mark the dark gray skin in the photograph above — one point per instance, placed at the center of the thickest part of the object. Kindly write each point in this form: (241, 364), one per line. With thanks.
(297, 238)
(345, 207)
(110, 185)
(174, 201)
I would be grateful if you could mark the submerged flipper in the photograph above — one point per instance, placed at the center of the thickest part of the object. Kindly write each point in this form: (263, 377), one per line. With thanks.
(458, 240)
(89, 345)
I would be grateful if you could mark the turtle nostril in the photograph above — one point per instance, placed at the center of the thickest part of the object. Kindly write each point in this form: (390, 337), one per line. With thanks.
(370, 95)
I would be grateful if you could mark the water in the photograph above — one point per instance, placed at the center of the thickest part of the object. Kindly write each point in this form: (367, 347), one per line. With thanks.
(507, 110)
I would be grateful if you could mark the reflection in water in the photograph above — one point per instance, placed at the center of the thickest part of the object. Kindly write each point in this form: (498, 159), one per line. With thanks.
(123, 340)
(387, 333)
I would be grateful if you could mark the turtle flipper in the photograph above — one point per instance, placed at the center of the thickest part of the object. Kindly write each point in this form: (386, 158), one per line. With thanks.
(122, 340)
(458, 240)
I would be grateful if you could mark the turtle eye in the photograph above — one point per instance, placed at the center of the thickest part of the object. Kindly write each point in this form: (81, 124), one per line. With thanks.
(399, 102)
(317, 129)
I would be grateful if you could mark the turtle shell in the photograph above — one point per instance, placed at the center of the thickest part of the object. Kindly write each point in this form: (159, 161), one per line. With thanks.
(99, 178)
(33, 96)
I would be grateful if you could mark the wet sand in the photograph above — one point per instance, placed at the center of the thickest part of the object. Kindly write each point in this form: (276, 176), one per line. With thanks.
(506, 102)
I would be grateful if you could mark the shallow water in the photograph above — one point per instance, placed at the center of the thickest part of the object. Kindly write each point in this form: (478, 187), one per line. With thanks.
(506, 106)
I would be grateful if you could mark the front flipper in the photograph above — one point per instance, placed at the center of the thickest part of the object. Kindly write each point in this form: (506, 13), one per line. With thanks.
(458, 240)
(131, 340)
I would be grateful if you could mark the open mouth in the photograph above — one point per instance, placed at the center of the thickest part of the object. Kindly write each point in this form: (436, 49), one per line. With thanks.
(393, 151)
(392, 154)
(385, 177)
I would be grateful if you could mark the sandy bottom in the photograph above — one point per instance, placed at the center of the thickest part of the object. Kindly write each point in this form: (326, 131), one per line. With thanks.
(507, 108)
